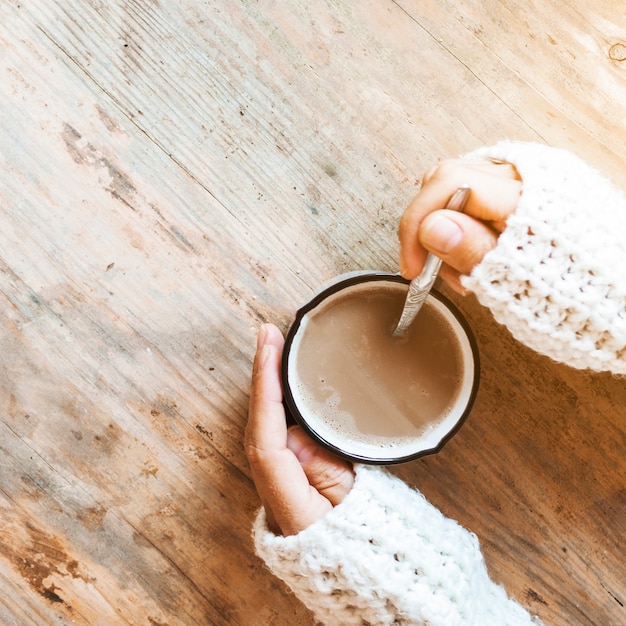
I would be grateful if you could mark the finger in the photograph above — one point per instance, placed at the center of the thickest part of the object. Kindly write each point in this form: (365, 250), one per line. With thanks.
(495, 189)
(331, 476)
(491, 200)
(267, 428)
(468, 165)
(452, 278)
(494, 196)
(457, 239)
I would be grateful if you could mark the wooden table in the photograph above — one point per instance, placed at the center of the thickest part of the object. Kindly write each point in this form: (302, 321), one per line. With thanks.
(174, 174)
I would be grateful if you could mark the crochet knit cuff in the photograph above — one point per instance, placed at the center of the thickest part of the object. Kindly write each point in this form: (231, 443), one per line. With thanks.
(556, 277)
(387, 556)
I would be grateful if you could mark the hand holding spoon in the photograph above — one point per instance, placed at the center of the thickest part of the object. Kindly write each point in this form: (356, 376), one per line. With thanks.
(421, 285)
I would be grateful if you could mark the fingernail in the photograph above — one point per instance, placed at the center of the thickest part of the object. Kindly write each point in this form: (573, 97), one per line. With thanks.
(265, 354)
(443, 234)
(261, 338)
(260, 358)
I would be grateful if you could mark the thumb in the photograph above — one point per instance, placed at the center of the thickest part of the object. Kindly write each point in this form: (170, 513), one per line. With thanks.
(331, 476)
(457, 239)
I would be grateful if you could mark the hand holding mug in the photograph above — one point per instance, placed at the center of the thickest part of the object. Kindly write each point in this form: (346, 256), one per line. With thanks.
(297, 480)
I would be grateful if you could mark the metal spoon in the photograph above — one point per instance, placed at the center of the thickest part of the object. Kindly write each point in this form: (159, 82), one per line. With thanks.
(421, 285)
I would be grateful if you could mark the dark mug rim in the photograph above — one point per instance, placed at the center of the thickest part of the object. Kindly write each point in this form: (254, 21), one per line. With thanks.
(291, 407)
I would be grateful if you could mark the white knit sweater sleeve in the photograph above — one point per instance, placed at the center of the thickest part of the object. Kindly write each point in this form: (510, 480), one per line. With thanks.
(556, 278)
(386, 556)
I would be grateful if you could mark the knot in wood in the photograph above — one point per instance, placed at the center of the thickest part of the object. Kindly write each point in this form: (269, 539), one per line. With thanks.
(617, 52)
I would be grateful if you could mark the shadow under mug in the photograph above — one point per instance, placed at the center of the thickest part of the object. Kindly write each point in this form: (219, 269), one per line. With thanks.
(329, 421)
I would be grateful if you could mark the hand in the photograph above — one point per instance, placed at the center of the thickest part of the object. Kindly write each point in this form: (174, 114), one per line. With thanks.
(298, 481)
(461, 240)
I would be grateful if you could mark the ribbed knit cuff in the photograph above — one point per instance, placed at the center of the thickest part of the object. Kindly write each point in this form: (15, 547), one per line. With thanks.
(555, 278)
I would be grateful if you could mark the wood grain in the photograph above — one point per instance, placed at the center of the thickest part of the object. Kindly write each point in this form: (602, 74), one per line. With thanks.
(174, 174)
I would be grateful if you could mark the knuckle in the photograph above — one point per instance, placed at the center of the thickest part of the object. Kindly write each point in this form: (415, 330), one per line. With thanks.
(254, 454)
(429, 174)
(448, 168)
(250, 447)
(327, 476)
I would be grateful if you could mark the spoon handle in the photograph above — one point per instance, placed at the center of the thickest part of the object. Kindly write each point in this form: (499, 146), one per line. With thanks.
(421, 285)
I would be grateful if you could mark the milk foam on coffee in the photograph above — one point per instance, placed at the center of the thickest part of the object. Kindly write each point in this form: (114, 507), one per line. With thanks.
(369, 393)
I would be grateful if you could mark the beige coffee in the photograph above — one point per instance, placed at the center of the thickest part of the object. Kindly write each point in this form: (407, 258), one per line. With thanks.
(362, 389)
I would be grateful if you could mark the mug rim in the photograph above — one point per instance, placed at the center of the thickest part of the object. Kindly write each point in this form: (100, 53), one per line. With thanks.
(340, 283)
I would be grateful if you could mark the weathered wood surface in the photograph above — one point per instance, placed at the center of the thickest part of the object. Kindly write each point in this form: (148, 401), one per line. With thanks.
(175, 173)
